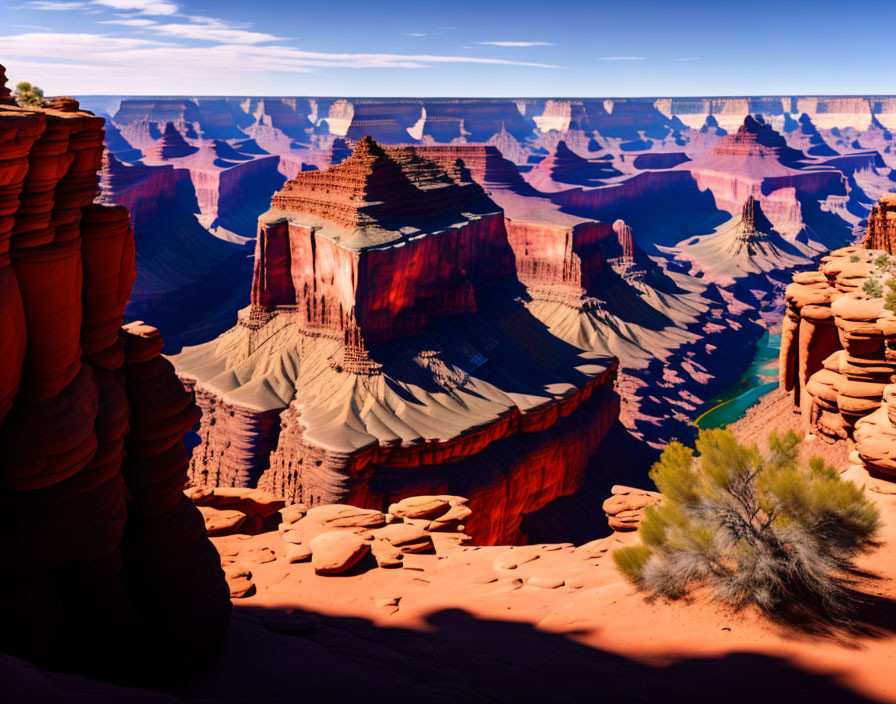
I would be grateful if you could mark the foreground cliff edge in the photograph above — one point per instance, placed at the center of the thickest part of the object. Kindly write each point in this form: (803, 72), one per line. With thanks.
(108, 567)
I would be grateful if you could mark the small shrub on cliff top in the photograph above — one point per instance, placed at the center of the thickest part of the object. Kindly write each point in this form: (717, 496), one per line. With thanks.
(890, 301)
(872, 288)
(28, 95)
(756, 529)
(854, 258)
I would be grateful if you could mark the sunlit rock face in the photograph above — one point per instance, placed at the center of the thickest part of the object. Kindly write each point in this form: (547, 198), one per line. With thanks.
(109, 564)
(838, 353)
(882, 225)
(387, 353)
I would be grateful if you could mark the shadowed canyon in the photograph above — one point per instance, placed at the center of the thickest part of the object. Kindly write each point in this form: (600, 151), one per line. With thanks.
(356, 397)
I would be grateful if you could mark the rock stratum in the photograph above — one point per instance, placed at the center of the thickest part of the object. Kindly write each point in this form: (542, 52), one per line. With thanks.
(837, 354)
(386, 353)
(108, 566)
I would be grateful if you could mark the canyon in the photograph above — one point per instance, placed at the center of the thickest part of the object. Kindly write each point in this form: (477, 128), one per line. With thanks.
(355, 388)
(693, 269)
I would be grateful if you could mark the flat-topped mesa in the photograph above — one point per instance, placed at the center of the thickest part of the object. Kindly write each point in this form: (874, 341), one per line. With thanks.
(756, 138)
(387, 349)
(171, 145)
(342, 247)
(881, 233)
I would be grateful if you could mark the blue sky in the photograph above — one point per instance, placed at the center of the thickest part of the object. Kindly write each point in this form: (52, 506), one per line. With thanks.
(451, 47)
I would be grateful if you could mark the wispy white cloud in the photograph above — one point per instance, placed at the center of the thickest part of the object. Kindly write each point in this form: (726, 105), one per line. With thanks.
(143, 7)
(133, 54)
(512, 44)
(620, 58)
(54, 5)
(34, 26)
(133, 22)
(415, 34)
(215, 33)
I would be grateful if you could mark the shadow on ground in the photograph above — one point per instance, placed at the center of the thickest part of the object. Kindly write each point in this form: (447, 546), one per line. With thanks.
(278, 656)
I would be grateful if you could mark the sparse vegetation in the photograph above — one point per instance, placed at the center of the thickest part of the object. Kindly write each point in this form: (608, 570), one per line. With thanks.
(28, 95)
(872, 288)
(882, 262)
(854, 258)
(754, 528)
(890, 301)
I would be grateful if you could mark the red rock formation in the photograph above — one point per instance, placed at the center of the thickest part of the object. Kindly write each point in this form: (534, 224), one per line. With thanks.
(5, 93)
(171, 145)
(834, 346)
(881, 233)
(383, 296)
(111, 564)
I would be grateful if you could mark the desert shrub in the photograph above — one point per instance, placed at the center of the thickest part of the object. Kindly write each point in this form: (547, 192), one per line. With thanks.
(754, 528)
(854, 258)
(872, 288)
(28, 95)
(890, 300)
(882, 262)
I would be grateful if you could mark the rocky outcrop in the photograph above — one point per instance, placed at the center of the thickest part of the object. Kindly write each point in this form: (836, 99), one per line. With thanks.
(742, 247)
(625, 507)
(171, 145)
(881, 232)
(385, 354)
(836, 354)
(109, 565)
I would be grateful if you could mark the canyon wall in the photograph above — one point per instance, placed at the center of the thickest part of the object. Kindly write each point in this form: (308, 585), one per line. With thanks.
(109, 567)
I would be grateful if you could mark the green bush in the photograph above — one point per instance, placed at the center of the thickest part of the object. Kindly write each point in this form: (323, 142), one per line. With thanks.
(755, 528)
(872, 288)
(28, 95)
(890, 300)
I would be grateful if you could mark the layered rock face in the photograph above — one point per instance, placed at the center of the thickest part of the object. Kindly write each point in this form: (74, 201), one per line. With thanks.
(386, 354)
(882, 225)
(109, 567)
(836, 355)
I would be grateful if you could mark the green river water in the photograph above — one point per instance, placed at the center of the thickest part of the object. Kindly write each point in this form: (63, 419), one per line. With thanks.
(760, 378)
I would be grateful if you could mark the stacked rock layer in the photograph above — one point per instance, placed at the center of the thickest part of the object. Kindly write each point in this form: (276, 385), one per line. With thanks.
(387, 353)
(108, 563)
(882, 225)
(838, 353)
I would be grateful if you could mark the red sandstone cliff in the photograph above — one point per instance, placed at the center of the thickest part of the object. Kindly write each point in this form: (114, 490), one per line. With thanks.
(881, 233)
(108, 564)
